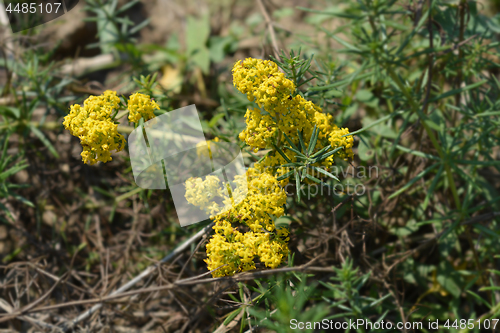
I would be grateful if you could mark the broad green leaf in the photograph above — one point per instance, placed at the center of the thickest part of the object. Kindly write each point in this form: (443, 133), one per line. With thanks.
(409, 228)
(197, 32)
(365, 152)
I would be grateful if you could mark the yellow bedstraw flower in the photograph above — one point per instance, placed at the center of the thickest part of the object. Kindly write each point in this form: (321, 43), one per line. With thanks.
(208, 194)
(93, 125)
(260, 129)
(141, 106)
(231, 248)
(280, 112)
(263, 83)
(336, 140)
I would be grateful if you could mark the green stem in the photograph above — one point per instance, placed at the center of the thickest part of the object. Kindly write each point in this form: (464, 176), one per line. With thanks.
(128, 194)
(431, 135)
(444, 158)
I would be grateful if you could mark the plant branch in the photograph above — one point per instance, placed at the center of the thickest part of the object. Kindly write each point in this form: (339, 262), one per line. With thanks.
(270, 27)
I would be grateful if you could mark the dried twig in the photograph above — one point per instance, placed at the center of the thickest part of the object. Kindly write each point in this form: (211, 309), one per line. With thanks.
(118, 293)
(7, 308)
(122, 293)
(270, 27)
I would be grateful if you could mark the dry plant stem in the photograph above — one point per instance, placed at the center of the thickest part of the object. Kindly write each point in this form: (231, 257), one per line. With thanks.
(83, 65)
(7, 308)
(184, 282)
(138, 278)
(191, 256)
(7, 40)
(270, 27)
(32, 305)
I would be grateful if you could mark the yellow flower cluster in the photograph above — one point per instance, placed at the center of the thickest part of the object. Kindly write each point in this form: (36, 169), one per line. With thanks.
(260, 128)
(141, 106)
(209, 194)
(235, 252)
(262, 82)
(283, 113)
(95, 128)
(245, 230)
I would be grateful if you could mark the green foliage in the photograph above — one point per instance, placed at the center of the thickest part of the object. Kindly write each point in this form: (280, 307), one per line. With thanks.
(115, 32)
(344, 296)
(410, 74)
(10, 165)
(416, 84)
(291, 300)
(299, 298)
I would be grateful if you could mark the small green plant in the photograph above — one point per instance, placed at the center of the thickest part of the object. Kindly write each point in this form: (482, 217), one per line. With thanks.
(286, 301)
(10, 165)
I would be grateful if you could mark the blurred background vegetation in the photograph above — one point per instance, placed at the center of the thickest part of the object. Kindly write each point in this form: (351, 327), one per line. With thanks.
(417, 81)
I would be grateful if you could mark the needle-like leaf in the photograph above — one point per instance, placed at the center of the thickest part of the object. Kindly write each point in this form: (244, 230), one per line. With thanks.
(286, 175)
(282, 153)
(295, 151)
(314, 179)
(325, 156)
(313, 140)
(326, 173)
(290, 142)
(301, 140)
(321, 151)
